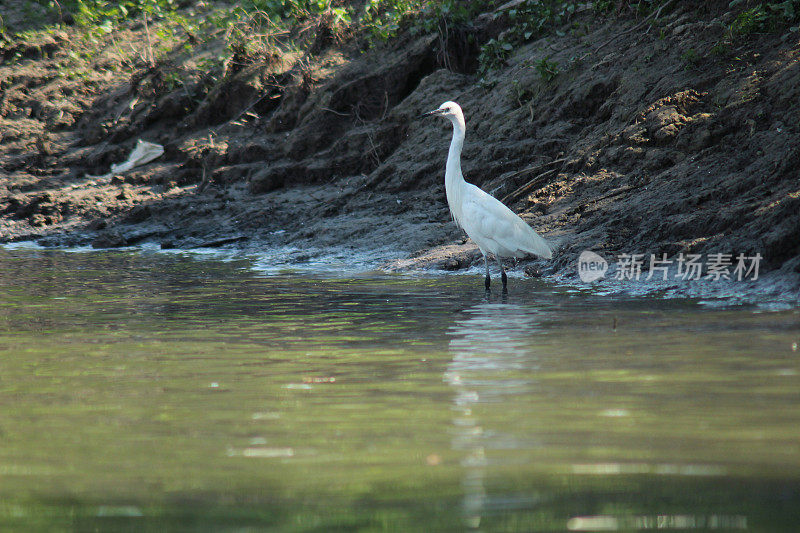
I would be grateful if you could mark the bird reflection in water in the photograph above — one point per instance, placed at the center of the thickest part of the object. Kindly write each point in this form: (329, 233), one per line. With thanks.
(490, 346)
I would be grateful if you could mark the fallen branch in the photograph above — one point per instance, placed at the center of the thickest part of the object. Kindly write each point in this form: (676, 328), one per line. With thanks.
(334, 112)
(612, 194)
(535, 182)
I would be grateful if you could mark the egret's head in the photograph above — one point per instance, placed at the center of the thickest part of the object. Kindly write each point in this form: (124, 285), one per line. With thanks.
(448, 109)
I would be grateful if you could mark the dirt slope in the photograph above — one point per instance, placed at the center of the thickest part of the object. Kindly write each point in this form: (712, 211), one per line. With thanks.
(648, 139)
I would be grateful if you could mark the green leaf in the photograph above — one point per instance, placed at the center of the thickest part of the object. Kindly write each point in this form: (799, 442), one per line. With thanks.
(106, 26)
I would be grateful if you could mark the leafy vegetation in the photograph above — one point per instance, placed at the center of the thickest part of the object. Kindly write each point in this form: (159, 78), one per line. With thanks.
(533, 17)
(294, 10)
(493, 55)
(103, 14)
(764, 17)
(383, 19)
(548, 70)
(691, 58)
(527, 20)
(253, 30)
(761, 18)
(603, 6)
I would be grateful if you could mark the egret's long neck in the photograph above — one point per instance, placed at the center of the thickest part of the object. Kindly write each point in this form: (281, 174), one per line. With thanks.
(453, 168)
(453, 178)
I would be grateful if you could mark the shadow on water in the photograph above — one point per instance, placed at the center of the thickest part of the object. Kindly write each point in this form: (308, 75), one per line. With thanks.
(149, 392)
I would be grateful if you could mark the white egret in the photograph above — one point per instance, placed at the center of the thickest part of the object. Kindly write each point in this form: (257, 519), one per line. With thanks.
(493, 226)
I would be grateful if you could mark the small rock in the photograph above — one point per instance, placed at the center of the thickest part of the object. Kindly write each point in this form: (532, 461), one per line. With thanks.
(39, 220)
(451, 264)
(110, 239)
(664, 121)
(97, 224)
(682, 28)
(666, 133)
(656, 159)
(14, 203)
(96, 134)
(532, 271)
(137, 214)
(635, 134)
(273, 177)
(701, 139)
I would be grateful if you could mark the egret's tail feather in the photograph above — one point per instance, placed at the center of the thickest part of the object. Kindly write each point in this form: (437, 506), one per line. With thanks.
(537, 245)
(529, 241)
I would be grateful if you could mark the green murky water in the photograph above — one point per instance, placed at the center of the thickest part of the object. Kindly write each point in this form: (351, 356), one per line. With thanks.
(151, 392)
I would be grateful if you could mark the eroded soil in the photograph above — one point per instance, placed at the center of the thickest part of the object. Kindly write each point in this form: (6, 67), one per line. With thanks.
(650, 139)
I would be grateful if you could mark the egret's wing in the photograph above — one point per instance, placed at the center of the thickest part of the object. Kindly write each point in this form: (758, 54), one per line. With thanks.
(500, 230)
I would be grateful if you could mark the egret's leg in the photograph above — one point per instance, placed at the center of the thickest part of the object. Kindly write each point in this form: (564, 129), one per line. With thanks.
(488, 280)
(502, 272)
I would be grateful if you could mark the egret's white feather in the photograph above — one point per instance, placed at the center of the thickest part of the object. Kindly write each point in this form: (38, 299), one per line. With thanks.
(493, 226)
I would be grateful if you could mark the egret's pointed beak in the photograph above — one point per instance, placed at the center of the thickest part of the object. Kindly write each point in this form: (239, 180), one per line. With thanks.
(432, 113)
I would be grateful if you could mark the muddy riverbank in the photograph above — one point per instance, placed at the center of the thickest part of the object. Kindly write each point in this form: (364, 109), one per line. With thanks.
(664, 132)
